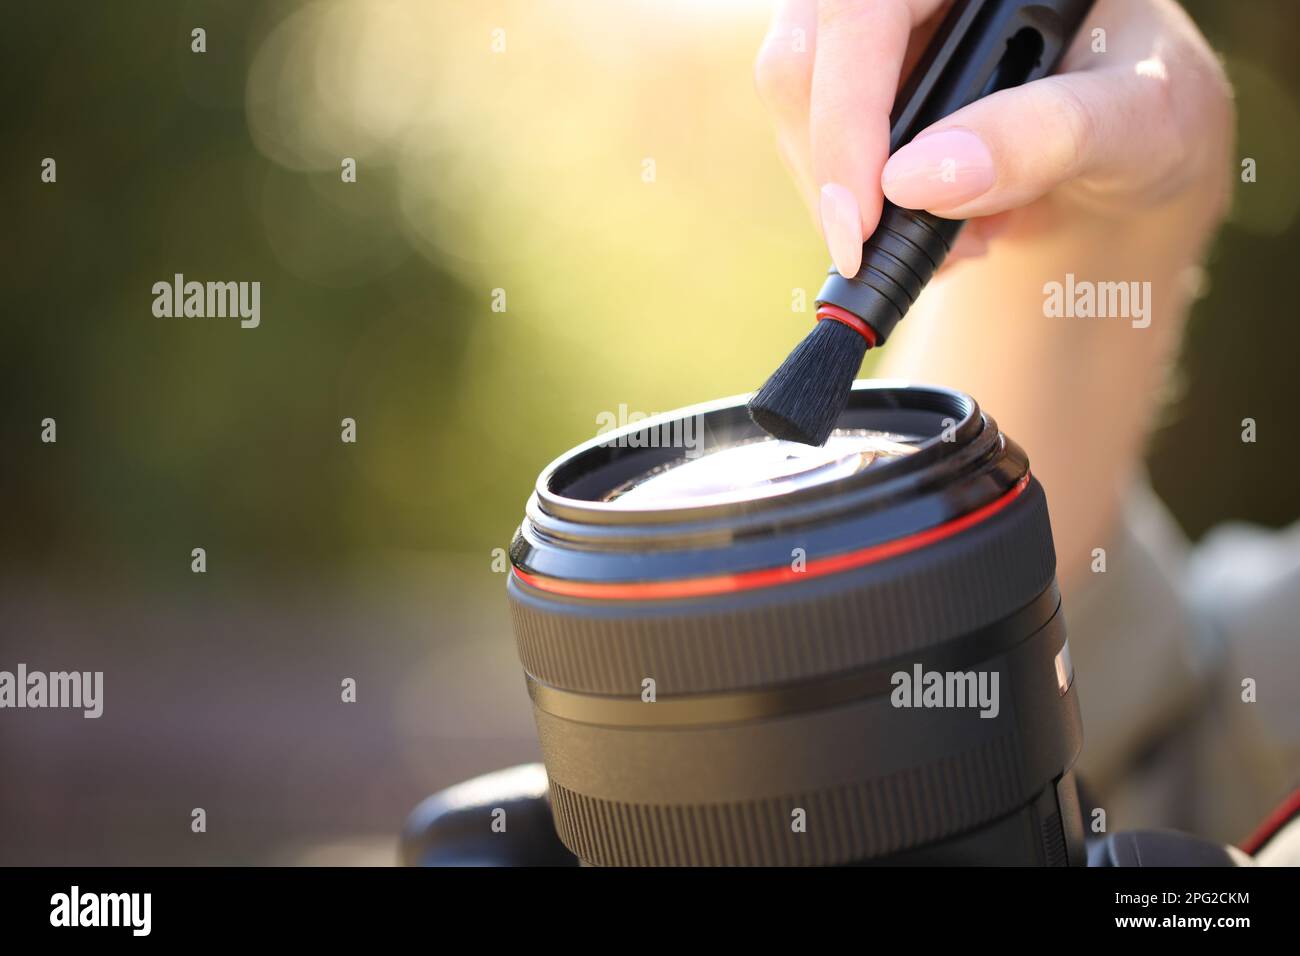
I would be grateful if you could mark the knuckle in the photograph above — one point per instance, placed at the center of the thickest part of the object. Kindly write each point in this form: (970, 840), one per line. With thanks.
(781, 75)
(829, 10)
(1187, 113)
(1163, 127)
(1206, 91)
(1201, 111)
(858, 15)
(1074, 118)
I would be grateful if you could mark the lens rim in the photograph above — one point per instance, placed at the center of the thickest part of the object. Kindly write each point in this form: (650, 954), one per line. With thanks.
(727, 420)
(566, 538)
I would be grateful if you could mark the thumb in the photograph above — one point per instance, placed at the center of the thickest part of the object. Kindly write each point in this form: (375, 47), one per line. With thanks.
(1114, 127)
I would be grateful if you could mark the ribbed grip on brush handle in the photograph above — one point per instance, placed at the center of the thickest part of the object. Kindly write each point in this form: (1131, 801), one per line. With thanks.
(897, 261)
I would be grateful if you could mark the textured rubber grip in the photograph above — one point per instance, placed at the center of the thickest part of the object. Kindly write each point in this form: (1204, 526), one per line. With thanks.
(865, 779)
(860, 820)
(898, 260)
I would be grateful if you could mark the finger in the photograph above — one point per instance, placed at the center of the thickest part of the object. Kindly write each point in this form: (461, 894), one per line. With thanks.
(1110, 133)
(969, 245)
(990, 227)
(861, 45)
(783, 76)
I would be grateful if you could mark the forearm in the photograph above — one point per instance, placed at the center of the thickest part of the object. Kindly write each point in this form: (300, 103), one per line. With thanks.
(1078, 393)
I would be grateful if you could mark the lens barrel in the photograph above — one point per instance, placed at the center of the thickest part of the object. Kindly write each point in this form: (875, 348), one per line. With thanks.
(870, 668)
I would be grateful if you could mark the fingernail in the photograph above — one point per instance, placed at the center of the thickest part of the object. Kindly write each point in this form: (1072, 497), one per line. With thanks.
(939, 171)
(842, 227)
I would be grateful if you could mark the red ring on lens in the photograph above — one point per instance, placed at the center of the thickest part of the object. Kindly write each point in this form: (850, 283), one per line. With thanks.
(770, 577)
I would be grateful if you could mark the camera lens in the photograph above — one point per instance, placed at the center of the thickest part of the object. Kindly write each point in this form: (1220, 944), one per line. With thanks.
(746, 652)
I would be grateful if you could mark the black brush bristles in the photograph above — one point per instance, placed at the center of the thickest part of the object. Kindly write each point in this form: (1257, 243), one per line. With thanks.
(803, 399)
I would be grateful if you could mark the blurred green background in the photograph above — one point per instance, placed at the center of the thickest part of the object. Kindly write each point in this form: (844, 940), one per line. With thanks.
(512, 160)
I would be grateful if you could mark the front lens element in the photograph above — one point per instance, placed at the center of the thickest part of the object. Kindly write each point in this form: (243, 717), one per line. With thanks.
(761, 467)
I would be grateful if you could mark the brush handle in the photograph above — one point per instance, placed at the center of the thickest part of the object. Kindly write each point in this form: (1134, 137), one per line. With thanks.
(982, 46)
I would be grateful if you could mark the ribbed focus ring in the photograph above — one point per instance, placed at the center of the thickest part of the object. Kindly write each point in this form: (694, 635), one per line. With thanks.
(843, 622)
(859, 821)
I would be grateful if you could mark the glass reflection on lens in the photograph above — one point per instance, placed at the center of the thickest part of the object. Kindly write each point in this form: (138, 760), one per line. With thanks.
(761, 468)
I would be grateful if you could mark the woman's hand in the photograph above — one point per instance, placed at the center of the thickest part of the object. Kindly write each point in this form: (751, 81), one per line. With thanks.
(1115, 170)
(1112, 133)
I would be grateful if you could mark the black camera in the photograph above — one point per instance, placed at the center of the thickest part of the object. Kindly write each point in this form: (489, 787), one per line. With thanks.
(745, 651)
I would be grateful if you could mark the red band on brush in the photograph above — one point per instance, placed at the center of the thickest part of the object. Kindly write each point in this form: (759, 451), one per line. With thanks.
(845, 317)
